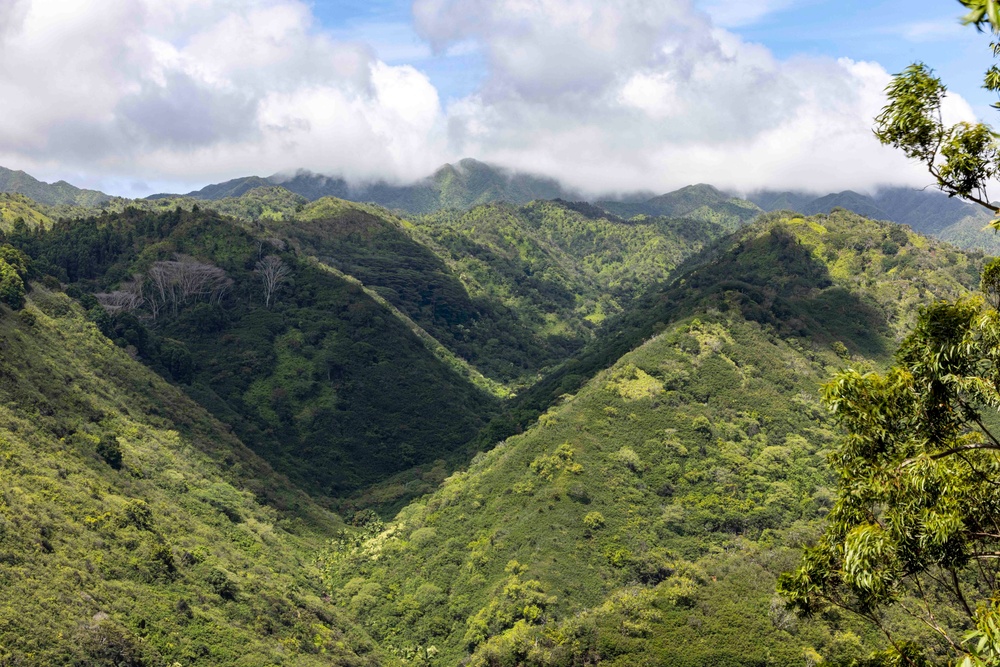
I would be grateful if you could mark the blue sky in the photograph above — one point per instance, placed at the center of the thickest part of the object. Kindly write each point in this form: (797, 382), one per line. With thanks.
(609, 96)
(893, 33)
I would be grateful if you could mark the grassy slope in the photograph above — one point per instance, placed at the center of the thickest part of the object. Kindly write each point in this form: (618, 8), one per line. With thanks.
(194, 551)
(702, 451)
(15, 206)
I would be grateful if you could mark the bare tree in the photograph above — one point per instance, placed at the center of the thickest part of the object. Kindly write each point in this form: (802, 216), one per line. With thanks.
(161, 276)
(175, 282)
(199, 280)
(119, 301)
(272, 272)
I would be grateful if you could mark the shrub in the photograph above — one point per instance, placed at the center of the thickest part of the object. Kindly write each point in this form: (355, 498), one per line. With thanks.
(109, 450)
(223, 586)
(594, 520)
(11, 286)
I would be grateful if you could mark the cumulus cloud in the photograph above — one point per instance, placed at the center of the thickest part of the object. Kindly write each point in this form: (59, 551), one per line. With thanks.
(625, 94)
(607, 95)
(191, 90)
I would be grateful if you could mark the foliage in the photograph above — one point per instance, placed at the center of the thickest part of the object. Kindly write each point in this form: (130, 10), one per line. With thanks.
(322, 376)
(963, 158)
(918, 504)
(658, 502)
(557, 273)
(123, 564)
(48, 193)
(800, 276)
(14, 266)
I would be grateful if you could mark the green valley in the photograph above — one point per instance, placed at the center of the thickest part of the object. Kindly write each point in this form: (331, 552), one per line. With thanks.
(539, 434)
(644, 518)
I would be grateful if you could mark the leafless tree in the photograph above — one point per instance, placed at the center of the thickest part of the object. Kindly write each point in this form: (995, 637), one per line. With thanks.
(272, 272)
(161, 278)
(119, 301)
(177, 281)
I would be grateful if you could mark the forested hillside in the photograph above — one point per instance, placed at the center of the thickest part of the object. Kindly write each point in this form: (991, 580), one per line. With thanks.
(52, 194)
(642, 394)
(644, 518)
(312, 374)
(135, 529)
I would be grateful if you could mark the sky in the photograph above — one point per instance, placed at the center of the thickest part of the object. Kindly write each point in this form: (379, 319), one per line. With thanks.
(609, 96)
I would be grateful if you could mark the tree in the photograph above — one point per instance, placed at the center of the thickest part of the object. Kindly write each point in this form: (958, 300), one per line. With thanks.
(175, 282)
(916, 526)
(917, 520)
(14, 267)
(964, 158)
(273, 272)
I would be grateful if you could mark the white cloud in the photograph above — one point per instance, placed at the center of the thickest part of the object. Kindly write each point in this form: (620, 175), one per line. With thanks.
(608, 95)
(194, 90)
(619, 95)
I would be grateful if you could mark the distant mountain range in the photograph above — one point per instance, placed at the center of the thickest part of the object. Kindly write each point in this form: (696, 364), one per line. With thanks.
(460, 186)
(926, 211)
(53, 194)
(469, 183)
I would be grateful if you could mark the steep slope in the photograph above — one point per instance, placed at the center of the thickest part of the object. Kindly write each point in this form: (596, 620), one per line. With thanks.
(511, 290)
(52, 194)
(974, 233)
(928, 211)
(322, 381)
(459, 186)
(643, 519)
(852, 201)
(380, 250)
(137, 530)
(228, 190)
(560, 268)
(15, 207)
(462, 185)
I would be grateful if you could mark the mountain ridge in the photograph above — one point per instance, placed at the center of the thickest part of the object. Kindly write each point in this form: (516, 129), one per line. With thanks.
(469, 183)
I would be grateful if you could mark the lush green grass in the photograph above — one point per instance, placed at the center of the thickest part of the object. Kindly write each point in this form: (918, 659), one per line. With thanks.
(135, 528)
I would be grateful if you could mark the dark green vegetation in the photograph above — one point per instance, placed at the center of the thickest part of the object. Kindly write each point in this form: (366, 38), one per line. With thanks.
(326, 384)
(915, 526)
(917, 531)
(558, 269)
(135, 529)
(652, 382)
(644, 518)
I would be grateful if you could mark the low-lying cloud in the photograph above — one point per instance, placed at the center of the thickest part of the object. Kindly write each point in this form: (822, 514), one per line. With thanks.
(606, 95)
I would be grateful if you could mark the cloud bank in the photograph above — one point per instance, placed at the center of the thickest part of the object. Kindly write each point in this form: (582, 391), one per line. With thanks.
(606, 95)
